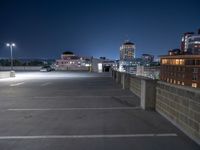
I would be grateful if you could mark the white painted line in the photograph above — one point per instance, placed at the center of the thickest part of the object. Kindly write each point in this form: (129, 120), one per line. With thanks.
(88, 136)
(45, 84)
(71, 109)
(17, 84)
(77, 96)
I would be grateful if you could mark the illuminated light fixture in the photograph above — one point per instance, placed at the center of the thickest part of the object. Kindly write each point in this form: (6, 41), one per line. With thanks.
(194, 85)
(11, 45)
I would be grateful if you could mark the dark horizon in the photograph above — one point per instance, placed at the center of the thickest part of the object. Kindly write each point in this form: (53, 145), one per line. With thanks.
(94, 28)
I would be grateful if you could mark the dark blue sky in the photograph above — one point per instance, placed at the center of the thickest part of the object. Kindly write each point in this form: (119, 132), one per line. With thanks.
(46, 28)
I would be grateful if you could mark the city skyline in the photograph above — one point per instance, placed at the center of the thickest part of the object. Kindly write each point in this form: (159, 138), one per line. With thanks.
(94, 28)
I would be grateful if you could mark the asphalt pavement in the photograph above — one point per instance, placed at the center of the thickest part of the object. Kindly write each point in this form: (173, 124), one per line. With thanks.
(79, 111)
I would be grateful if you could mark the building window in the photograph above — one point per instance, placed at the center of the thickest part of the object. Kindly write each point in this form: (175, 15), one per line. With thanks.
(174, 81)
(194, 85)
(195, 70)
(179, 82)
(164, 61)
(182, 61)
(194, 77)
(183, 83)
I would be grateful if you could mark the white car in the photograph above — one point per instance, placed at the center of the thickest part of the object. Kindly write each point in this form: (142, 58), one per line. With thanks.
(46, 69)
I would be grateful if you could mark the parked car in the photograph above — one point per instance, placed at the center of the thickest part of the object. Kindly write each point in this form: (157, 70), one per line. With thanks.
(47, 69)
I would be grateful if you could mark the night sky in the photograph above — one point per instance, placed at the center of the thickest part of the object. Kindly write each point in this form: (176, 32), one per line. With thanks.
(46, 28)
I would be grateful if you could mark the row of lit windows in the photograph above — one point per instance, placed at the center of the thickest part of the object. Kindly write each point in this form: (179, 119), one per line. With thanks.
(180, 61)
(173, 61)
(175, 82)
(194, 85)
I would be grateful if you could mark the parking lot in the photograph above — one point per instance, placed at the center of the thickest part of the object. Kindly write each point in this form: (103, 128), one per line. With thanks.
(79, 110)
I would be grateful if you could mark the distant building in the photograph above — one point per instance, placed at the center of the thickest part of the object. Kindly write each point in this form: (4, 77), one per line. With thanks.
(147, 58)
(181, 70)
(174, 52)
(194, 45)
(190, 43)
(69, 61)
(102, 64)
(127, 51)
(184, 41)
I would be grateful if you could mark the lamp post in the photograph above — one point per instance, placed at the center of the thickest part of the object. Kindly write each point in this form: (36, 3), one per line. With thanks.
(11, 45)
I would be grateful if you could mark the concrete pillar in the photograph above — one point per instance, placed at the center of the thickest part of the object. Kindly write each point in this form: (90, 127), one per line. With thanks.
(125, 80)
(148, 94)
(118, 77)
(114, 74)
(12, 74)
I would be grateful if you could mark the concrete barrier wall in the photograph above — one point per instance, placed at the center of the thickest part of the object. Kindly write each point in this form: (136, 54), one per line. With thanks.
(73, 68)
(135, 85)
(4, 74)
(180, 105)
(142, 87)
(7, 74)
(21, 68)
(125, 80)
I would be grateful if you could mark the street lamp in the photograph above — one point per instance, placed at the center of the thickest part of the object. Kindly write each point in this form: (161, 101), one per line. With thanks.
(11, 45)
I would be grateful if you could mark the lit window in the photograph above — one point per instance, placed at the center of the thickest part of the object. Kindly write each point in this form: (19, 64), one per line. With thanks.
(194, 85)
(164, 61)
(182, 61)
(179, 82)
(177, 61)
(183, 83)
(174, 81)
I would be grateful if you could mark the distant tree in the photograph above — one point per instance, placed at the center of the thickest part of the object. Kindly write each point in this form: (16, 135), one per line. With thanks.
(67, 53)
(17, 63)
(35, 63)
(5, 62)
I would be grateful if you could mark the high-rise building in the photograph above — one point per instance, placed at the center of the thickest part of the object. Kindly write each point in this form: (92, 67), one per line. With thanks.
(127, 51)
(190, 43)
(194, 45)
(184, 41)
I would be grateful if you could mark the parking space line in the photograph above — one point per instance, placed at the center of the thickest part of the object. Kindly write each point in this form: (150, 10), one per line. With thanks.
(45, 84)
(71, 109)
(80, 96)
(88, 136)
(17, 84)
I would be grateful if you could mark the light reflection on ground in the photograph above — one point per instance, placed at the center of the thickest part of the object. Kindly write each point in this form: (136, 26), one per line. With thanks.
(52, 75)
